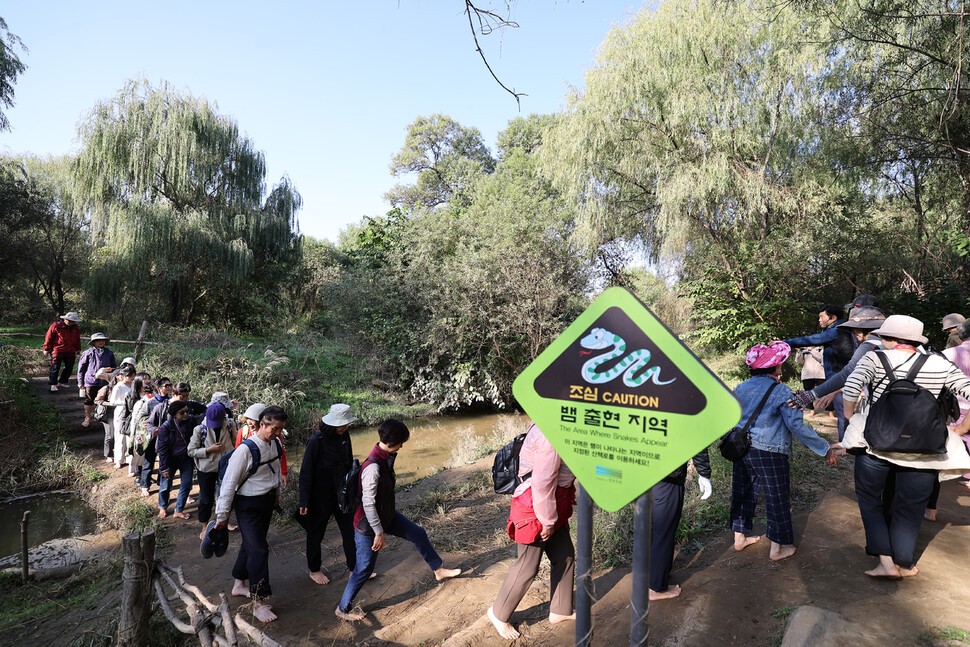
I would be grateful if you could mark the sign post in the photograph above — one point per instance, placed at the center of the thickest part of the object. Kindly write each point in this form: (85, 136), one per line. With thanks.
(624, 403)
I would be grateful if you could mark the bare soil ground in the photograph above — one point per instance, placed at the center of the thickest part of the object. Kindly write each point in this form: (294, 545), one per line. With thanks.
(728, 598)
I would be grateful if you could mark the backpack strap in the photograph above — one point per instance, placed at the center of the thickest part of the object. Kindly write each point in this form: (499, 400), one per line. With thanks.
(917, 365)
(761, 405)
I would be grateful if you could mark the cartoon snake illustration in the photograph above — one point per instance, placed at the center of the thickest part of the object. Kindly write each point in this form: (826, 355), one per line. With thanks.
(637, 360)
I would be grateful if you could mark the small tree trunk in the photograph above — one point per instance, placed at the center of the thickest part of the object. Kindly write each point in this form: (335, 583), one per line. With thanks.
(136, 589)
(141, 338)
(24, 565)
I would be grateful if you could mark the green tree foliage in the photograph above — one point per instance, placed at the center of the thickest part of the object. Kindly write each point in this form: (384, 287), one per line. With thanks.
(45, 251)
(10, 68)
(180, 218)
(446, 158)
(457, 300)
(697, 136)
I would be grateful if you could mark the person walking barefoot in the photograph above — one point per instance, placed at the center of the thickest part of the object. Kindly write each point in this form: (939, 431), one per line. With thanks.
(377, 516)
(539, 524)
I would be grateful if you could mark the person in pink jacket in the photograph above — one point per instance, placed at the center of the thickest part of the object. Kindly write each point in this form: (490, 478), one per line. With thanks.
(538, 523)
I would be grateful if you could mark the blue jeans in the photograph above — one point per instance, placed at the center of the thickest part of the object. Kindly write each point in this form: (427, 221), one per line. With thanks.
(185, 466)
(401, 527)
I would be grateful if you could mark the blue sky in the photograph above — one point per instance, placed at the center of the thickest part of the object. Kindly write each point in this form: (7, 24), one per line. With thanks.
(325, 89)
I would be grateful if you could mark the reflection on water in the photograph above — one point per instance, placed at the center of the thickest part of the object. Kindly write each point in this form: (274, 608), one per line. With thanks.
(434, 443)
(52, 516)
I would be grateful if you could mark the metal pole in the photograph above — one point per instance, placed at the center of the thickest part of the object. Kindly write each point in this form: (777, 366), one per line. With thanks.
(640, 600)
(584, 564)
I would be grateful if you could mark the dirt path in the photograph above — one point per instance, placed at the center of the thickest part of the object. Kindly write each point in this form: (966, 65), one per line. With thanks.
(729, 598)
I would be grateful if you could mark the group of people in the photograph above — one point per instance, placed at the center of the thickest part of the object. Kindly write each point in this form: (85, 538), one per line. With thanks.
(152, 418)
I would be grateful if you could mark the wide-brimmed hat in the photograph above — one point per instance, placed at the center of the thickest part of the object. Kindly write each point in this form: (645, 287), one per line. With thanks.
(953, 320)
(128, 360)
(98, 336)
(865, 318)
(761, 356)
(222, 397)
(339, 416)
(254, 411)
(72, 316)
(902, 327)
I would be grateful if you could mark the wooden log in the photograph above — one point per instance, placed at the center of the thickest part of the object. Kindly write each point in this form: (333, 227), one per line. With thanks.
(227, 623)
(141, 340)
(24, 564)
(135, 599)
(255, 634)
(113, 341)
(167, 610)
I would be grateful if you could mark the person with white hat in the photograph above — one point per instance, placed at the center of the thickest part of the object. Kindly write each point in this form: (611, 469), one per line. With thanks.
(92, 361)
(328, 458)
(61, 346)
(893, 538)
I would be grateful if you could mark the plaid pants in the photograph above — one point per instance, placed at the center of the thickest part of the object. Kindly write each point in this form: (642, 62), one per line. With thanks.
(767, 472)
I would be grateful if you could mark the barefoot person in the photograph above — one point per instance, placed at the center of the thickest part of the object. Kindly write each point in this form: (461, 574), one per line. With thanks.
(903, 481)
(765, 466)
(377, 515)
(538, 523)
(92, 361)
(254, 495)
(328, 458)
(173, 456)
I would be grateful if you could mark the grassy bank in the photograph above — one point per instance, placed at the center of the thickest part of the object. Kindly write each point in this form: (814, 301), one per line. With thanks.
(33, 451)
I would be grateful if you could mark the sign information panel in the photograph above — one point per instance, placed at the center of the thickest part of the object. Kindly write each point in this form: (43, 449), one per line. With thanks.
(622, 400)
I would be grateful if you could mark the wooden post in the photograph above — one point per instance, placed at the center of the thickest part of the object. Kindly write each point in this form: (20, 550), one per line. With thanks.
(141, 338)
(135, 593)
(24, 565)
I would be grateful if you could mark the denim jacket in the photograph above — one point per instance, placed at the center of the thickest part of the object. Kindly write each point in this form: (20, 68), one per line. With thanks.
(777, 423)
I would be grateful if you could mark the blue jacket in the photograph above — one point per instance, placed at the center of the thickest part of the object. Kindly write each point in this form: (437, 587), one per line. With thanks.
(774, 428)
(826, 338)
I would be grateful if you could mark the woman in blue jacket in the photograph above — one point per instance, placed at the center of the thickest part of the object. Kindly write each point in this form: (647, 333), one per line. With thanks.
(765, 467)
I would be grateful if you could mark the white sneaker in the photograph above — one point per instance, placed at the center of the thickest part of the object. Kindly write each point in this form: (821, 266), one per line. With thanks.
(53, 388)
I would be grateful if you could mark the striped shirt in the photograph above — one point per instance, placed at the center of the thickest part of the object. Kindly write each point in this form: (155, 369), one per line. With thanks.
(936, 373)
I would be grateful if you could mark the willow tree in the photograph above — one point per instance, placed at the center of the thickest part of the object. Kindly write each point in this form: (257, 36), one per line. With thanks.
(179, 208)
(696, 136)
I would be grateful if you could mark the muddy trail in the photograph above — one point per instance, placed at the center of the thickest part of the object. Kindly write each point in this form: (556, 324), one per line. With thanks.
(728, 598)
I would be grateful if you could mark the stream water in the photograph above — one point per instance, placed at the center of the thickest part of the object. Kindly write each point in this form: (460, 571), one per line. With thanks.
(435, 443)
(53, 515)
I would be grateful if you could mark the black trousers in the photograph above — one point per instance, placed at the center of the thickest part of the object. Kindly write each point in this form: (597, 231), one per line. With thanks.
(254, 514)
(62, 363)
(668, 504)
(891, 519)
(317, 521)
(207, 494)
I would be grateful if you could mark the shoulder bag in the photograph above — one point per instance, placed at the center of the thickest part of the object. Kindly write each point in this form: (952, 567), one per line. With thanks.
(735, 444)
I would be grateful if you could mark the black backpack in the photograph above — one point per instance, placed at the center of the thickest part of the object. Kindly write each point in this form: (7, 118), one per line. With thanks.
(505, 467)
(256, 464)
(348, 494)
(906, 417)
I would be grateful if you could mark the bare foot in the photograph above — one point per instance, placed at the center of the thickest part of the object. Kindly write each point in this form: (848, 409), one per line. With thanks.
(144, 491)
(555, 618)
(233, 527)
(189, 501)
(504, 629)
(162, 513)
(202, 534)
(741, 542)
(779, 552)
(886, 568)
(672, 592)
(445, 573)
(907, 572)
(86, 423)
(182, 515)
(319, 577)
(263, 612)
(353, 615)
(930, 514)
(239, 588)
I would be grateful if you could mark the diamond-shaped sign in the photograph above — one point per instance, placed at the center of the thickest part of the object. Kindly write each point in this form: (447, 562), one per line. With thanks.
(622, 400)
